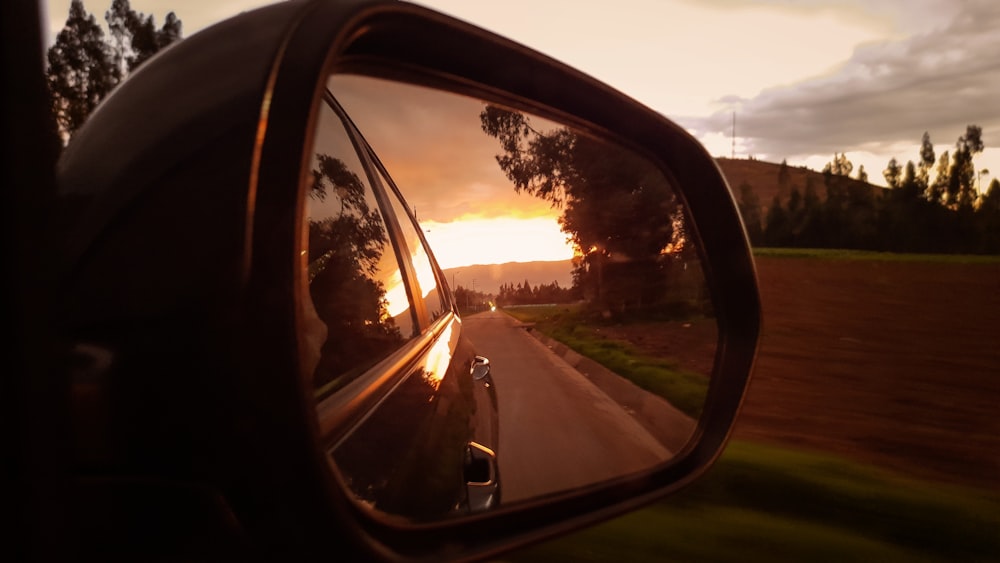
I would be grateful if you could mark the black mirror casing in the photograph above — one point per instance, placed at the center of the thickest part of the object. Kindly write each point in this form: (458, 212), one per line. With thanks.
(225, 144)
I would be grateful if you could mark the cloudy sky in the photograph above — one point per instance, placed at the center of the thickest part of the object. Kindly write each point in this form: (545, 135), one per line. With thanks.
(805, 78)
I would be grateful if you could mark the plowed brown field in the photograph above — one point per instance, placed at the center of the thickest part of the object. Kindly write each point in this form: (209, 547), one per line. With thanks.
(894, 363)
(886, 362)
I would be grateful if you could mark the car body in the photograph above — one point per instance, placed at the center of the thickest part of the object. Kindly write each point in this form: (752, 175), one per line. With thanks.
(439, 415)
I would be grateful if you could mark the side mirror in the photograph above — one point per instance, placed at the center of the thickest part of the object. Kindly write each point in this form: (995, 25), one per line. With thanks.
(333, 397)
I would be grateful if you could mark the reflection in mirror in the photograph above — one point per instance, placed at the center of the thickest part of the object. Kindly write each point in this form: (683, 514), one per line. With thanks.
(578, 337)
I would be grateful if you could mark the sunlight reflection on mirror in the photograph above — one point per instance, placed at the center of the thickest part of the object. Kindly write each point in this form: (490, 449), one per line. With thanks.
(572, 267)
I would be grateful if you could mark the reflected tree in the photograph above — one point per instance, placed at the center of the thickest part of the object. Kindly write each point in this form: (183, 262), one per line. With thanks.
(618, 209)
(345, 248)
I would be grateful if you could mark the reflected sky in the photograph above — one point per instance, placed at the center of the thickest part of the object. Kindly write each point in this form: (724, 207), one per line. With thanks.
(440, 158)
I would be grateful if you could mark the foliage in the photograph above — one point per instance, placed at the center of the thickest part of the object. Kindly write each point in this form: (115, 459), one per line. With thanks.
(947, 215)
(749, 205)
(80, 72)
(471, 301)
(84, 65)
(961, 180)
(839, 166)
(892, 173)
(526, 294)
(344, 253)
(619, 211)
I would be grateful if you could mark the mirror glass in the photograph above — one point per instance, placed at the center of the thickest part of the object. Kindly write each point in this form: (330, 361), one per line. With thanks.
(508, 307)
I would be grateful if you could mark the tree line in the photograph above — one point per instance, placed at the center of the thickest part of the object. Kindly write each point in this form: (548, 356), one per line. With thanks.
(527, 294)
(944, 213)
(85, 64)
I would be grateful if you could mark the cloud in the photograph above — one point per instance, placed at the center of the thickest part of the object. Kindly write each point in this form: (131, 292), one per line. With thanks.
(902, 14)
(886, 95)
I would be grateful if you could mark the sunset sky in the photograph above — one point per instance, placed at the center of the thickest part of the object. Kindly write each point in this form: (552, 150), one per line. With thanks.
(806, 78)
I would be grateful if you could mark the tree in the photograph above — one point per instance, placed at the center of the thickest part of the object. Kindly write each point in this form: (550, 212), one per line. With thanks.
(777, 231)
(839, 166)
(784, 177)
(344, 278)
(961, 187)
(891, 173)
(619, 210)
(80, 70)
(135, 37)
(812, 232)
(862, 175)
(84, 65)
(171, 32)
(936, 191)
(926, 160)
(910, 185)
(988, 219)
(750, 211)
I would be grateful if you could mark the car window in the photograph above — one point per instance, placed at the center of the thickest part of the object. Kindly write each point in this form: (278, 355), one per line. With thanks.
(362, 312)
(435, 300)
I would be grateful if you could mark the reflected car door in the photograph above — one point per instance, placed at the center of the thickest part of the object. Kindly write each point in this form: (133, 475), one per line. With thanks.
(424, 443)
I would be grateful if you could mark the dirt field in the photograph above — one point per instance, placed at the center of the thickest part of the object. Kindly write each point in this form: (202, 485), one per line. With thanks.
(892, 363)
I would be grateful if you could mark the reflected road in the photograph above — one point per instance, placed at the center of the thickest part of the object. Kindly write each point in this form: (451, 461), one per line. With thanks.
(557, 429)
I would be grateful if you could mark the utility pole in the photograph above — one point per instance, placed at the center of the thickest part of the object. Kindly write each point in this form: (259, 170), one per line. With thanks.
(734, 137)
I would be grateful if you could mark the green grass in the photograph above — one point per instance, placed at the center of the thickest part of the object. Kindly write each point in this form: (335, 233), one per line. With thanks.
(767, 503)
(764, 503)
(570, 325)
(842, 254)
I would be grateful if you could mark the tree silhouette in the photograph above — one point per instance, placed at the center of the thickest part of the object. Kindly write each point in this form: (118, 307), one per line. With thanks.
(926, 161)
(913, 215)
(862, 174)
(135, 37)
(961, 189)
(938, 189)
(839, 166)
(344, 254)
(618, 209)
(80, 70)
(84, 65)
(750, 211)
(892, 173)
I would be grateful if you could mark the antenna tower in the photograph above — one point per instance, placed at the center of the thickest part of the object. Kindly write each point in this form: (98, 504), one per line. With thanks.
(734, 137)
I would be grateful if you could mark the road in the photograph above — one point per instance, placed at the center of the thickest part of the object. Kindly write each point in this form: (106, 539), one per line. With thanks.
(557, 430)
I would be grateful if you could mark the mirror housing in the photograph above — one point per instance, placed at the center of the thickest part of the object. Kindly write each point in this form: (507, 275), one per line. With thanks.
(227, 123)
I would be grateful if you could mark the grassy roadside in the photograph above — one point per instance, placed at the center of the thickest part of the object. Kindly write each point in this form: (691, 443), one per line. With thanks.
(769, 503)
(841, 254)
(566, 323)
(765, 503)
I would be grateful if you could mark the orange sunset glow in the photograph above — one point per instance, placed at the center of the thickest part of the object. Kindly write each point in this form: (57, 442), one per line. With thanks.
(498, 240)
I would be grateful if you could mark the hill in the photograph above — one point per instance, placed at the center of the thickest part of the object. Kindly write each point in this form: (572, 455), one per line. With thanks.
(488, 277)
(763, 178)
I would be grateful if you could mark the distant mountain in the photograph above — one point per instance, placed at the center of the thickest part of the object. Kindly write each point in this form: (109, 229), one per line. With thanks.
(489, 277)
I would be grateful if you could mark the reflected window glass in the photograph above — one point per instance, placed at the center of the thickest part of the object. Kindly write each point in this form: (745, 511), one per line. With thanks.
(355, 282)
(435, 302)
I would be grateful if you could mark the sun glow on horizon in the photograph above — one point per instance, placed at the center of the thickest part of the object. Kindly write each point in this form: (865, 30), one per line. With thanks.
(498, 240)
